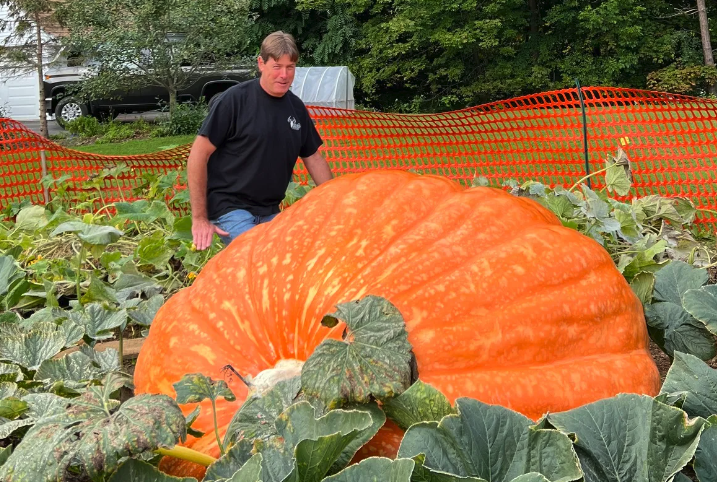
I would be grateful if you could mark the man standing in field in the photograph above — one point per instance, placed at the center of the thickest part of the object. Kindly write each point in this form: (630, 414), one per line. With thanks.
(244, 155)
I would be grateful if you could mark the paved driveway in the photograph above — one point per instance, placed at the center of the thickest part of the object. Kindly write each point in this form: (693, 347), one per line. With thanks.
(54, 128)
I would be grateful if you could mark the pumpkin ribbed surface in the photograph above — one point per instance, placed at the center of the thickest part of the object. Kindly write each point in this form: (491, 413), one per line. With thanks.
(501, 302)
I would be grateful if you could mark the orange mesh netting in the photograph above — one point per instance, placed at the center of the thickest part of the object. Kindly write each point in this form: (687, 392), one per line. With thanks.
(669, 138)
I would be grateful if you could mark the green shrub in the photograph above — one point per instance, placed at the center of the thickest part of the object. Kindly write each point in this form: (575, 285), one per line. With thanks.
(119, 131)
(86, 126)
(186, 120)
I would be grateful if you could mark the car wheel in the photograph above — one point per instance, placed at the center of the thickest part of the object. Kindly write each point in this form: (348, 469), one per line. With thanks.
(69, 109)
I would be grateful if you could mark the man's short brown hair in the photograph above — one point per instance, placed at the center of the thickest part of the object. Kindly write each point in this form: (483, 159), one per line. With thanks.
(278, 44)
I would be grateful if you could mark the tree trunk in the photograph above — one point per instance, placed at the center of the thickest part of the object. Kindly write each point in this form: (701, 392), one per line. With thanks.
(172, 101)
(706, 43)
(40, 77)
(534, 25)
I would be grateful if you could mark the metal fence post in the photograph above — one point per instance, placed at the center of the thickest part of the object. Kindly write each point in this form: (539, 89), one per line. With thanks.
(585, 130)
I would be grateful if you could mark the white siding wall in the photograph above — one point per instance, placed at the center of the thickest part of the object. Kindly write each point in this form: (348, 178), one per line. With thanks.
(19, 94)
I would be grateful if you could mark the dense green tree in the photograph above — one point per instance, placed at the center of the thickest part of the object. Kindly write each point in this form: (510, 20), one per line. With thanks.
(135, 43)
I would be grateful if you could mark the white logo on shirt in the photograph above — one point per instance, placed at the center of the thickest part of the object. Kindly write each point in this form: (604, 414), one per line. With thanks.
(294, 123)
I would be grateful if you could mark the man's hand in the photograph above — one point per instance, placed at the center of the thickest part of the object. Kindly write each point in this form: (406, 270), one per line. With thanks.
(203, 231)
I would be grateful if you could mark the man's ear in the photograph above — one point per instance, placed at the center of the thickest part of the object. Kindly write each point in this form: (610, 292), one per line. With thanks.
(260, 63)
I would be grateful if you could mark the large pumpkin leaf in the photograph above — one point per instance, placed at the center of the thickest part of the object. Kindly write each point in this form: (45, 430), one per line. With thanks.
(5, 453)
(195, 387)
(99, 292)
(9, 273)
(95, 432)
(373, 359)
(145, 312)
(320, 442)
(10, 372)
(31, 218)
(306, 448)
(30, 349)
(420, 403)
(153, 250)
(706, 455)
(131, 284)
(235, 458)
(11, 408)
(250, 472)
(491, 442)
(702, 304)
(75, 367)
(98, 321)
(139, 471)
(107, 360)
(531, 477)
(89, 233)
(675, 279)
(255, 418)
(679, 331)
(142, 211)
(376, 469)
(696, 380)
(630, 437)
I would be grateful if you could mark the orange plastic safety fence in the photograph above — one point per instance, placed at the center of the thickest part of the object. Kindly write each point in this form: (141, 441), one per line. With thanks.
(670, 139)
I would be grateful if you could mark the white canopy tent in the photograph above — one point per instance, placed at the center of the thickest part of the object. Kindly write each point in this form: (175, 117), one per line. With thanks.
(325, 86)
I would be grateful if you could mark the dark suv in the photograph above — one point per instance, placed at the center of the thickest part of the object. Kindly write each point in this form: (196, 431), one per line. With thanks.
(66, 107)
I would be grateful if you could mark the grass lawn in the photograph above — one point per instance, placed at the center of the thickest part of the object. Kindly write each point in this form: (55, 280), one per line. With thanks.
(138, 146)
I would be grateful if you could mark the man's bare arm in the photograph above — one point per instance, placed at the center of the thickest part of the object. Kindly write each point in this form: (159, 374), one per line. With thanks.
(202, 229)
(318, 168)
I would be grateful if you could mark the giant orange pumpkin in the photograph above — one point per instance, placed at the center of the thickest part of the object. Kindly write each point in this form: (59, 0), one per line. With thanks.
(501, 302)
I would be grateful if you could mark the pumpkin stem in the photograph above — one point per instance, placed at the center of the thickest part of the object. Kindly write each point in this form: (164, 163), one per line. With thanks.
(244, 380)
(190, 455)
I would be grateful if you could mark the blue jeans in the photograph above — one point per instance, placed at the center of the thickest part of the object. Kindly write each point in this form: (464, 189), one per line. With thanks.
(237, 222)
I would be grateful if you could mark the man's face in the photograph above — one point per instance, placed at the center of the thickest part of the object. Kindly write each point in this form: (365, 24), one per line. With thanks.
(277, 75)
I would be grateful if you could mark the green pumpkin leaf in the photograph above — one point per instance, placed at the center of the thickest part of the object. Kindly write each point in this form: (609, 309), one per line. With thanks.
(679, 330)
(138, 471)
(75, 367)
(5, 453)
(98, 291)
(9, 273)
(630, 437)
(11, 408)
(195, 387)
(97, 321)
(41, 405)
(531, 477)
(10, 372)
(153, 250)
(140, 211)
(107, 360)
(250, 472)
(129, 285)
(373, 359)
(30, 349)
(491, 442)
(376, 469)
(235, 458)
(706, 455)
(420, 403)
(617, 180)
(146, 311)
(697, 380)
(702, 305)
(643, 284)
(255, 418)
(675, 279)
(97, 433)
(182, 229)
(89, 233)
(329, 435)
(31, 219)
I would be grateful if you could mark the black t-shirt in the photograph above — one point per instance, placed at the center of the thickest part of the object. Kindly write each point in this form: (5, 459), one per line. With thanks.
(258, 139)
